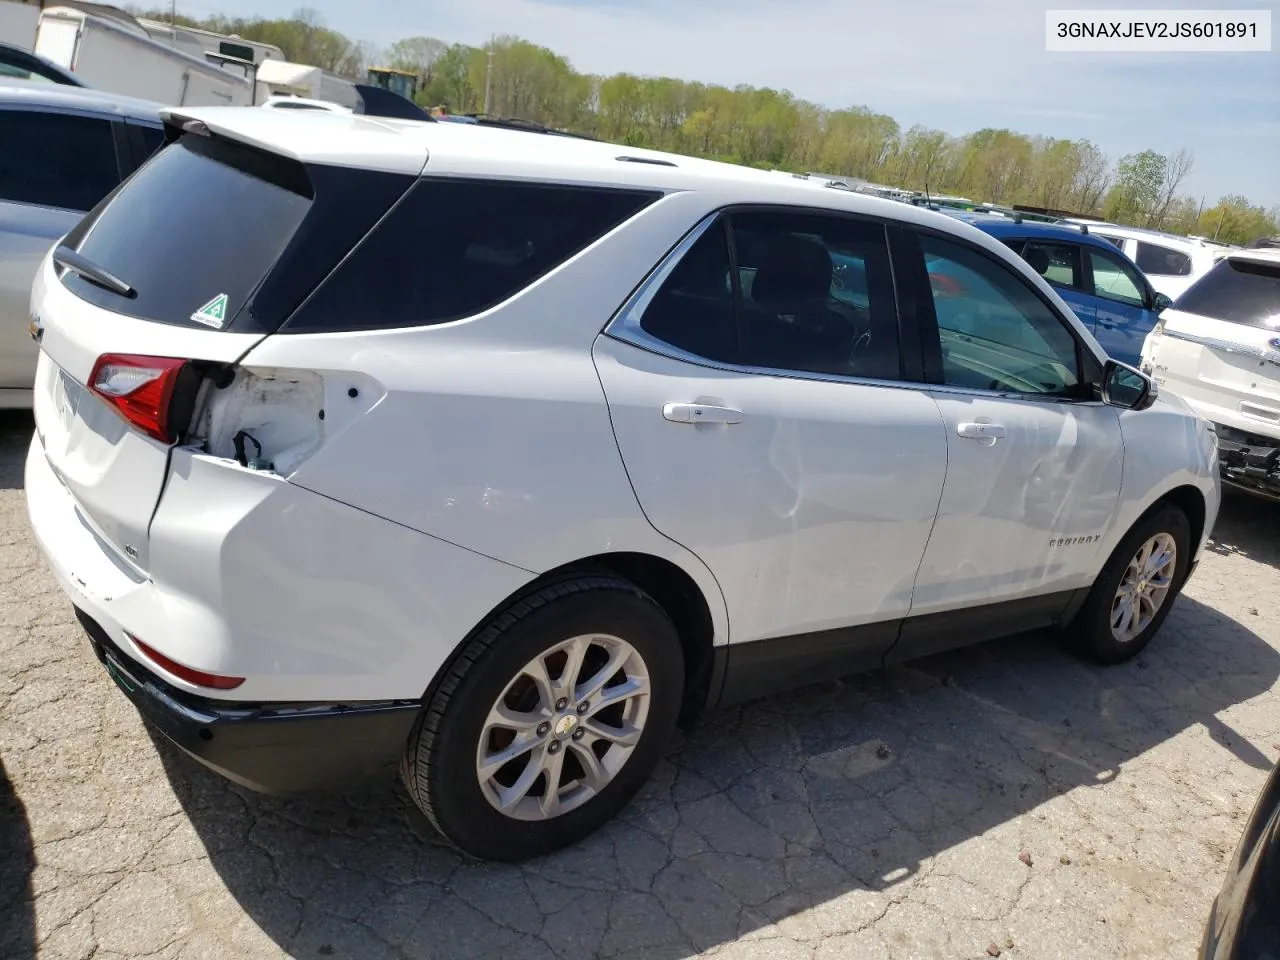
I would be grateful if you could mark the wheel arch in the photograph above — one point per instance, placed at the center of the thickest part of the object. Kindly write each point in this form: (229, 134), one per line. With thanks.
(671, 587)
(676, 591)
(1191, 501)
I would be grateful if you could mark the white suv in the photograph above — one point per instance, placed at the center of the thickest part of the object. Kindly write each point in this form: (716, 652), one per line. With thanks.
(497, 453)
(1170, 262)
(1219, 349)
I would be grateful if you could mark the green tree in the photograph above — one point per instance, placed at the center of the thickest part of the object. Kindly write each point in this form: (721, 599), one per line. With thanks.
(1234, 220)
(417, 55)
(450, 82)
(1135, 196)
(772, 128)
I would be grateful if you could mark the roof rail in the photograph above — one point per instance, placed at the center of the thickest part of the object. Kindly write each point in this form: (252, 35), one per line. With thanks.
(653, 161)
(515, 123)
(1082, 227)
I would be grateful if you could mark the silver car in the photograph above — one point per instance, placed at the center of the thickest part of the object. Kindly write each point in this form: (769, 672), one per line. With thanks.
(65, 148)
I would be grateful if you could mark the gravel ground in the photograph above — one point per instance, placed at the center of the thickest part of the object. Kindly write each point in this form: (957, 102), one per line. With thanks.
(1003, 799)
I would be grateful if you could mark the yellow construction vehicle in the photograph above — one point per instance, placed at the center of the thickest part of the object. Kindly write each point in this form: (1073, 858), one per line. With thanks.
(403, 82)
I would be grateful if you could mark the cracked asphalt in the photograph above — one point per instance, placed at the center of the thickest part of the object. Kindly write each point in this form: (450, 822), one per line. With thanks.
(1004, 799)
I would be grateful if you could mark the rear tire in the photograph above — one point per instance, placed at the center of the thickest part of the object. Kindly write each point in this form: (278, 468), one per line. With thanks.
(1136, 589)
(507, 695)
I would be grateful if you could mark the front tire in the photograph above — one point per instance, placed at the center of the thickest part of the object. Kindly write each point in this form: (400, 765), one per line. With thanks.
(1136, 589)
(548, 722)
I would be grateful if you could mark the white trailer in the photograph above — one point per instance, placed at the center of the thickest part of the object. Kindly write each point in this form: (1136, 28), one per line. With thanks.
(114, 55)
(283, 78)
(18, 19)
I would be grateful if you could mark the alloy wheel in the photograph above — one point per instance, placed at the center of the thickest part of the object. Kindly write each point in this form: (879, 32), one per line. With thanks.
(563, 727)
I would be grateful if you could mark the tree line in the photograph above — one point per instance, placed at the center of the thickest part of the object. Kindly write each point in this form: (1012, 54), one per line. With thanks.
(773, 129)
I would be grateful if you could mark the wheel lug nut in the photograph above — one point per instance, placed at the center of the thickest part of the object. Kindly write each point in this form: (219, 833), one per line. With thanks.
(561, 703)
(583, 707)
(553, 746)
(578, 734)
(543, 729)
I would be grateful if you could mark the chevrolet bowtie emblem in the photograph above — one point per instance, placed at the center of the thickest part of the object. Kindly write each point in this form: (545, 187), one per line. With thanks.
(35, 330)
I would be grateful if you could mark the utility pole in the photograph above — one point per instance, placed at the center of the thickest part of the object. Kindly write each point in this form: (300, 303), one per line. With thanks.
(173, 13)
(488, 82)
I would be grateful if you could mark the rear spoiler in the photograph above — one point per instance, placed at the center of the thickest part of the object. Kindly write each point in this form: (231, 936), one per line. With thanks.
(377, 102)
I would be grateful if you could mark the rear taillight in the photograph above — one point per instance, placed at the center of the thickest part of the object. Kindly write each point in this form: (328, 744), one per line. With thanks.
(140, 388)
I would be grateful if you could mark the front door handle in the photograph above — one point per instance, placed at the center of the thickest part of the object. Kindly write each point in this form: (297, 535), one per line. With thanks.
(981, 431)
(700, 413)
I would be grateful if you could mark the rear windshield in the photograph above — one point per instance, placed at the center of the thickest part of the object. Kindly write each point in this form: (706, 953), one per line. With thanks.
(221, 236)
(1239, 291)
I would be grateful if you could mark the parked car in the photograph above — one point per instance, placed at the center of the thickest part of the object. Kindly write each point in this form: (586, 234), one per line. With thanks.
(1244, 923)
(1172, 263)
(76, 147)
(303, 103)
(475, 450)
(19, 64)
(1105, 289)
(1219, 349)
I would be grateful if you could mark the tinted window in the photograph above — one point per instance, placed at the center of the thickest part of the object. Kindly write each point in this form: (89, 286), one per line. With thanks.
(22, 73)
(1162, 261)
(283, 105)
(152, 138)
(238, 50)
(1114, 241)
(1240, 291)
(693, 308)
(1113, 279)
(1059, 263)
(995, 332)
(453, 248)
(56, 160)
(204, 218)
(817, 295)
(191, 227)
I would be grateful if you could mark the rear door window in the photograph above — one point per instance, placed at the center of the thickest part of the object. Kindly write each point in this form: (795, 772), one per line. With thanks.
(1156, 260)
(1058, 263)
(56, 159)
(817, 295)
(693, 309)
(215, 234)
(456, 247)
(1238, 291)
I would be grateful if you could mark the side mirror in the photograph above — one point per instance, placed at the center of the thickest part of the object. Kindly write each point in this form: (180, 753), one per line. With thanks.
(1125, 387)
(1161, 301)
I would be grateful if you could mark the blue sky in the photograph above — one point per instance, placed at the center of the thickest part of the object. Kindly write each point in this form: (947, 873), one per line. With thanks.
(957, 65)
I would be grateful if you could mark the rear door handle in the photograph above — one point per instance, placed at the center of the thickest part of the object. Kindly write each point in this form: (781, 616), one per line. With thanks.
(981, 431)
(700, 413)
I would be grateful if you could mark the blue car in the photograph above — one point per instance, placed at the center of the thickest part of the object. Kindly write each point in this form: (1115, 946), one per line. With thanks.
(1106, 290)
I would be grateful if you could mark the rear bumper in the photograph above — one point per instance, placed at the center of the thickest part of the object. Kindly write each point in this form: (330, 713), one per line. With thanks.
(1249, 462)
(310, 600)
(271, 748)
